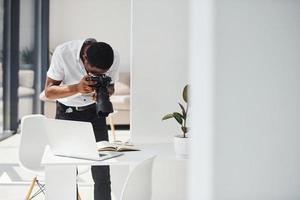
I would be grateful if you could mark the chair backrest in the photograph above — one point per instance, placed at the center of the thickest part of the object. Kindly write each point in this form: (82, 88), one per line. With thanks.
(33, 142)
(139, 182)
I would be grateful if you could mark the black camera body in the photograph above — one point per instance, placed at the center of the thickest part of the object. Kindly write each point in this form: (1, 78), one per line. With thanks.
(103, 104)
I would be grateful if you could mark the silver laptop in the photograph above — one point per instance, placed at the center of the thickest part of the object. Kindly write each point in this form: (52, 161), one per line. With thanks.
(74, 139)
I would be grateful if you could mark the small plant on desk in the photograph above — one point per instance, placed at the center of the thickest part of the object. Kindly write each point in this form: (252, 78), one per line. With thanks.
(181, 142)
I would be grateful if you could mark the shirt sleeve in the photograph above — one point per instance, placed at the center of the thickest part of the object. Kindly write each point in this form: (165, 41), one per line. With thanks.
(113, 72)
(55, 70)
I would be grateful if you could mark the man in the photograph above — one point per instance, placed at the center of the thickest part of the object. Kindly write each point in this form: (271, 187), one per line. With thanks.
(72, 63)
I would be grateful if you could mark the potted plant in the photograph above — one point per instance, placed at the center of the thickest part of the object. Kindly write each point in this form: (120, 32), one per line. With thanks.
(181, 141)
(27, 56)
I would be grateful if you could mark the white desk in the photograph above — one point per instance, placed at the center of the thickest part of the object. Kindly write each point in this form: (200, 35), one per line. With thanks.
(60, 176)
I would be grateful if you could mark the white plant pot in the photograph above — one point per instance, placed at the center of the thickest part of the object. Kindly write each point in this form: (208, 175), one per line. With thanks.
(181, 146)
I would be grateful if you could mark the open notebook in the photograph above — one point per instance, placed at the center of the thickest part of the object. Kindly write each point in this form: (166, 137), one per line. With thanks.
(106, 146)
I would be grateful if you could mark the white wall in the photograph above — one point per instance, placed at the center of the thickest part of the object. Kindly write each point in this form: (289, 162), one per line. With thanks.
(256, 101)
(105, 20)
(159, 67)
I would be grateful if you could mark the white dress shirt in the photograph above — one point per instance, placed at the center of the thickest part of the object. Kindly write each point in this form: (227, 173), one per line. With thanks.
(66, 66)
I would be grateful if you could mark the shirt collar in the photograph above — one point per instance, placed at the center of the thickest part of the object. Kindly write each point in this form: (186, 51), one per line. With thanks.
(79, 49)
(81, 42)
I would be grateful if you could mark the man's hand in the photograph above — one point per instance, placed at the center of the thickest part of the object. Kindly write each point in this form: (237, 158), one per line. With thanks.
(85, 86)
(111, 89)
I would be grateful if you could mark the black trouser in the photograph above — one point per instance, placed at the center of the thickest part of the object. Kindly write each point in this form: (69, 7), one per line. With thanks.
(100, 174)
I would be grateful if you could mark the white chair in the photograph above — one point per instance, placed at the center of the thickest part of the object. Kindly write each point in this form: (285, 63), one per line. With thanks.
(31, 150)
(32, 145)
(139, 182)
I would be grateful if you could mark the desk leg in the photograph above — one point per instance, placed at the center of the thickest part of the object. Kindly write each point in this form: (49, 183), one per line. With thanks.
(60, 182)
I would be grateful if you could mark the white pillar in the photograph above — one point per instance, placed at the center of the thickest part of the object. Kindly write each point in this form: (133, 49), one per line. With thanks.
(201, 75)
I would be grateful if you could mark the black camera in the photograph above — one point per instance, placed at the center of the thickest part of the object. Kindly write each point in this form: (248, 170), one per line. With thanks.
(103, 104)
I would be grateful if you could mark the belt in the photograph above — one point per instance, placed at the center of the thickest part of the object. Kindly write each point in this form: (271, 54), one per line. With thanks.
(69, 109)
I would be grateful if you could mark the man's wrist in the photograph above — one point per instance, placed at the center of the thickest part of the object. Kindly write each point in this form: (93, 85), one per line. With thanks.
(74, 88)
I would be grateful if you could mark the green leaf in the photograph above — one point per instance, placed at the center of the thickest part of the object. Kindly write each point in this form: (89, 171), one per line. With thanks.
(178, 114)
(178, 117)
(183, 110)
(168, 116)
(185, 93)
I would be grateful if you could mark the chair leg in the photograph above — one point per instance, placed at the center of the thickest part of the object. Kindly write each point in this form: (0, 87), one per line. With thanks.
(30, 189)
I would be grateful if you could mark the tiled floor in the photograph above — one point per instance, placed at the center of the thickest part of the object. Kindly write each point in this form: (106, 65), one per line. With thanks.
(14, 181)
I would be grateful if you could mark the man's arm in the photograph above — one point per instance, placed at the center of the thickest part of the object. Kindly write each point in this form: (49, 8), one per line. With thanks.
(53, 90)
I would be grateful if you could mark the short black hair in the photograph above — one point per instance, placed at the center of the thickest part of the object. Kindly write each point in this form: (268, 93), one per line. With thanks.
(100, 55)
